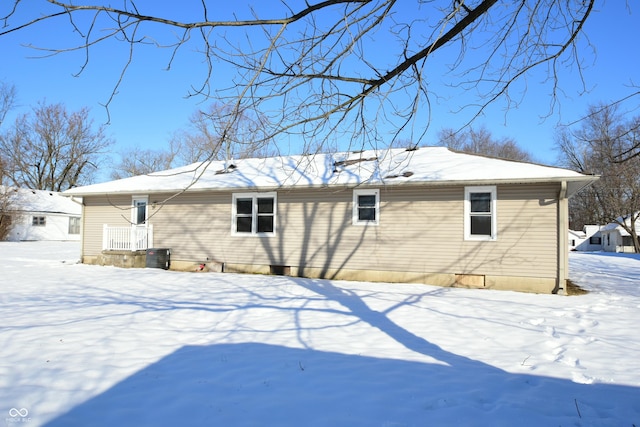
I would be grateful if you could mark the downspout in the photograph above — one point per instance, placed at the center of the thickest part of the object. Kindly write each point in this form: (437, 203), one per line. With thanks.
(563, 240)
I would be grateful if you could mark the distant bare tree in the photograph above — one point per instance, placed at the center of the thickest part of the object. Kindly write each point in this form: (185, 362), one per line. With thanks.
(481, 141)
(631, 129)
(595, 149)
(8, 97)
(52, 149)
(7, 103)
(222, 133)
(631, 150)
(9, 215)
(332, 70)
(136, 161)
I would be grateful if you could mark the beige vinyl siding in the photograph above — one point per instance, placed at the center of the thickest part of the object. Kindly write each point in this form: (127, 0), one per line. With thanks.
(420, 231)
(527, 230)
(195, 226)
(113, 210)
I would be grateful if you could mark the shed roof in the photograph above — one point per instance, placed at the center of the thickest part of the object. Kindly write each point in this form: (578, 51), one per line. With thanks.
(427, 165)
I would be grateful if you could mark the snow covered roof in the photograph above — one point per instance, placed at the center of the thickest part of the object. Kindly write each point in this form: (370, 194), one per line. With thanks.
(432, 165)
(26, 200)
(578, 234)
(616, 225)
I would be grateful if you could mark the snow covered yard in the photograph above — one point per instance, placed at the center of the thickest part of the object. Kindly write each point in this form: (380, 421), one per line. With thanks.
(101, 346)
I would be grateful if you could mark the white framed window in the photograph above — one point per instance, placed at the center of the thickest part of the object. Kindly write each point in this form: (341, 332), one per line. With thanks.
(74, 225)
(254, 214)
(480, 219)
(366, 207)
(39, 221)
(139, 210)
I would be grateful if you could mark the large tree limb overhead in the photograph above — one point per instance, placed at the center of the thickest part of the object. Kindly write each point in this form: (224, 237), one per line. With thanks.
(342, 67)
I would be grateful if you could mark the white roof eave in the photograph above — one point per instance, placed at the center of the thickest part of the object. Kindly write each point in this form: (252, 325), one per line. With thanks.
(391, 182)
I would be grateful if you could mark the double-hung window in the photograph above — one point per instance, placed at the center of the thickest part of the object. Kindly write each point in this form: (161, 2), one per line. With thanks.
(74, 225)
(366, 207)
(480, 213)
(254, 214)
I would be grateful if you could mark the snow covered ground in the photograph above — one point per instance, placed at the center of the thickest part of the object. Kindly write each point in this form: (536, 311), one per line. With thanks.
(100, 346)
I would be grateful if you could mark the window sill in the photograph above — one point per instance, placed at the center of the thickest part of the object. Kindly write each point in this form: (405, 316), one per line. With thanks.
(480, 238)
(235, 234)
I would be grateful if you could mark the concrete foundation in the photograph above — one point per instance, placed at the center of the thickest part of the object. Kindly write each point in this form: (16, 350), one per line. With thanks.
(128, 259)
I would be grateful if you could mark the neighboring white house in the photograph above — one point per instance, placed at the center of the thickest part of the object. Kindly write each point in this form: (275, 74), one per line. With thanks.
(587, 239)
(43, 215)
(616, 239)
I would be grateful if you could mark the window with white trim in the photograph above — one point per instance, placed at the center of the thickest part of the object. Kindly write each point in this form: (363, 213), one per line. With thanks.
(74, 225)
(139, 210)
(254, 214)
(39, 221)
(480, 213)
(366, 207)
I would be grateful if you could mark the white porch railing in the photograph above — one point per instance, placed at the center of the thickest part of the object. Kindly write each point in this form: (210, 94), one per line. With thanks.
(133, 238)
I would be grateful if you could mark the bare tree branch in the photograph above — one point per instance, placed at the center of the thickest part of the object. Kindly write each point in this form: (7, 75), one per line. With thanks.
(8, 98)
(315, 70)
(595, 148)
(52, 149)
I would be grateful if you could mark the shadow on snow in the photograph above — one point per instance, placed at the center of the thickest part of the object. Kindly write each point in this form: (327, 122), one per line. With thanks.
(262, 384)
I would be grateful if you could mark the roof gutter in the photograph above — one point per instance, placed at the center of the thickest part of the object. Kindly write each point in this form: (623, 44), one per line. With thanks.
(391, 182)
(72, 197)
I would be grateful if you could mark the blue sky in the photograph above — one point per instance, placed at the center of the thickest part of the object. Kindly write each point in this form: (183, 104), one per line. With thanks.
(151, 103)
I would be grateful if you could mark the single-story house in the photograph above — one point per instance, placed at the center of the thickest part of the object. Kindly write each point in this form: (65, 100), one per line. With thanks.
(588, 239)
(42, 215)
(616, 239)
(429, 215)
